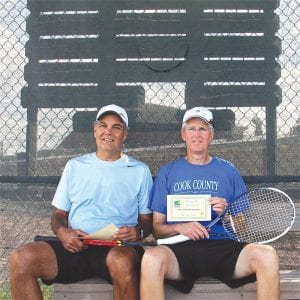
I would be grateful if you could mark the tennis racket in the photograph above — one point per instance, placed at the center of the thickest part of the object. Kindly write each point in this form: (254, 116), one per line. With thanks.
(259, 216)
(113, 243)
(96, 242)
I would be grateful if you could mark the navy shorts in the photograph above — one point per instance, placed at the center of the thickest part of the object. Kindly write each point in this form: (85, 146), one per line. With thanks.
(214, 258)
(73, 267)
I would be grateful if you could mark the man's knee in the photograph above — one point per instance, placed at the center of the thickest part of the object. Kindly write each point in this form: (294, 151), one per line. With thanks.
(123, 262)
(34, 259)
(21, 259)
(264, 257)
(269, 257)
(154, 261)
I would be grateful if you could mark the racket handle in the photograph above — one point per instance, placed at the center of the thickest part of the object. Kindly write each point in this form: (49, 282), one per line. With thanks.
(173, 240)
(44, 238)
(108, 243)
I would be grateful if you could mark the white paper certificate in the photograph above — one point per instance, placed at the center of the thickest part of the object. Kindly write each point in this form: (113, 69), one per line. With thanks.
(188, 208)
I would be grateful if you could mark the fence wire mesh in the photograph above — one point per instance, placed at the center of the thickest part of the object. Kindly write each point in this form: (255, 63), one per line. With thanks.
(55, 125)
(244, 145)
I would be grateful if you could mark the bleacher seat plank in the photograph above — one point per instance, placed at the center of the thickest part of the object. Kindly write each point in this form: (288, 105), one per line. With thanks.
(205, 289)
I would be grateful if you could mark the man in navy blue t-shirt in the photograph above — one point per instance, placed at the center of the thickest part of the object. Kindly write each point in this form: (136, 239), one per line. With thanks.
(199, 173)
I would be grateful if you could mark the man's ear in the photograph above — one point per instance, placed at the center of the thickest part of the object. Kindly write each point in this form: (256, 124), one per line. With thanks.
(125, 135)
(182, 135)
(94, 129)
(212, 135)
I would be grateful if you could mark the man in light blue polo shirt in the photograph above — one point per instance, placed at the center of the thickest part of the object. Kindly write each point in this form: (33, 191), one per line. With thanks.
(95, 190)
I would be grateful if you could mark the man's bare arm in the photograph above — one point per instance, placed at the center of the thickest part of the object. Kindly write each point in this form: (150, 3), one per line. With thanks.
(145, 225)
(68, 236)
(59, 220)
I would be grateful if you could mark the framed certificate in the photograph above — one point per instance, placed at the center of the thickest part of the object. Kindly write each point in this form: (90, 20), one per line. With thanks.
(188, 208)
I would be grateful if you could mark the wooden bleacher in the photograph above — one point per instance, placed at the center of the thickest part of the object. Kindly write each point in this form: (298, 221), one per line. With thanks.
(87, 53)
(204, 289)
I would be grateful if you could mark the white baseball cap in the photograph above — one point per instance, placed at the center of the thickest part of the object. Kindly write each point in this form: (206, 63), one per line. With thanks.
(199, 112)
(121, 112)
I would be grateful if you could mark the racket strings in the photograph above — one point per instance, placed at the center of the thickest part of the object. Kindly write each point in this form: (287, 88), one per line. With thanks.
(260, 215)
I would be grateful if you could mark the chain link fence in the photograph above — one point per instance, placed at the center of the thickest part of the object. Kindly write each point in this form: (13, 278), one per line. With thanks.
(55, 125)
(57, 142)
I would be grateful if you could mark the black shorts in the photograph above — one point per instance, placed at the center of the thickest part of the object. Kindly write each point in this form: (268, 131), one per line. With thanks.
(214, 258)
(82, 265)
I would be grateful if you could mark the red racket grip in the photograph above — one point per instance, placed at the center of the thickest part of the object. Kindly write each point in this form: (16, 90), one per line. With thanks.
(107, 243)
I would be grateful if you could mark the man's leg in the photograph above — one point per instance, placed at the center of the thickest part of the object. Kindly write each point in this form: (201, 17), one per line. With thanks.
(158, 263)
(264, 262)
(123, 264)
(28, 263)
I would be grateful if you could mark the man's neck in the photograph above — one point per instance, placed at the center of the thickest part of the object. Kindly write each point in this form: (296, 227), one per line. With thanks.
(108, 156)
(198, 159)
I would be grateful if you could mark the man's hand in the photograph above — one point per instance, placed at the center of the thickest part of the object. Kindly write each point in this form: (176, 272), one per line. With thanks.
(126, 233)
(68, 237)
(218, 204)
(70, 240)
(194, 230)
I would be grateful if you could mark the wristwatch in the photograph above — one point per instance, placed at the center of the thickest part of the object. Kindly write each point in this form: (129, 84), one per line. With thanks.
(141, 233)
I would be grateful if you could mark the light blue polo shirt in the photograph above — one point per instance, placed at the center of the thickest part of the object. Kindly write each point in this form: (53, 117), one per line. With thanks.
(97, 193)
